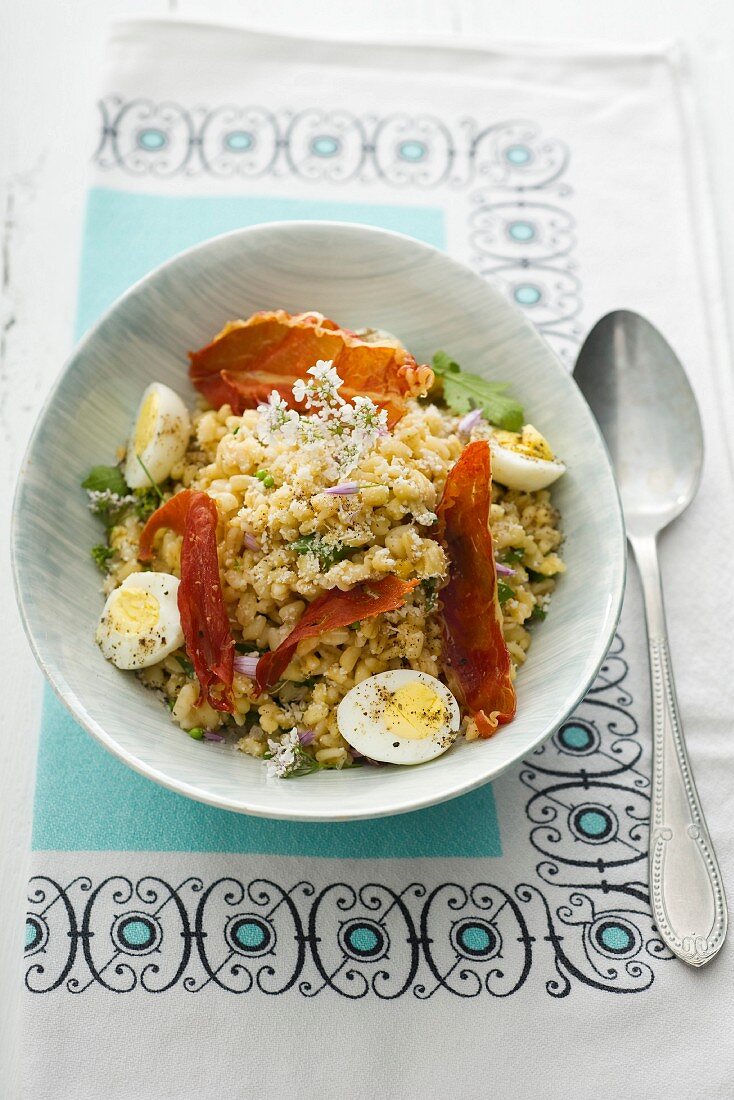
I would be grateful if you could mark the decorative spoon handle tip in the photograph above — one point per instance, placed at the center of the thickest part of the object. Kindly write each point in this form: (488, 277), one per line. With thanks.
(686, 888)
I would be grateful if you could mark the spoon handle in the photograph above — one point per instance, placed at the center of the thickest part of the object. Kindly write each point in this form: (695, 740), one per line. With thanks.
(686, 890)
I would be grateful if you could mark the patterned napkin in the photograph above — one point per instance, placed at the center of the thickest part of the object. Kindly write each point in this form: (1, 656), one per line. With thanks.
(482, 945)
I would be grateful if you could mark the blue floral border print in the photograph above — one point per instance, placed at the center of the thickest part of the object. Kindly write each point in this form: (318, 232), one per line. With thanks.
(588, 814)
(585, 918)
(513, 177)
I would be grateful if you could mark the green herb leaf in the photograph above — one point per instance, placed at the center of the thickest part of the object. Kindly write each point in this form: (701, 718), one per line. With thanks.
(186, 665)
(538, 614)
(514, 555)
(305, 765)
(111, 510)
(504, 592)
(430, 587)
(463, 392)
(328, 555)
(101, 555)
(305, 544)
(146, 503)
(443, 364)
(150, 479)
(101, 479)
(118, 503)
(249, 647)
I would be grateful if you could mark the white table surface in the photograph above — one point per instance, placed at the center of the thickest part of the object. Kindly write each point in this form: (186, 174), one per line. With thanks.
(49, 59)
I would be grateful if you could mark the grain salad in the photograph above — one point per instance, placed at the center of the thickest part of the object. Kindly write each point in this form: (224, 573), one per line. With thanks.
(321, 493)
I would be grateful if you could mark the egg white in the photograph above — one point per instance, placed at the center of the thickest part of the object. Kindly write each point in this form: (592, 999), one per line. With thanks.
(140, 622)
(524, 472)
(362, 719)
(159, 437)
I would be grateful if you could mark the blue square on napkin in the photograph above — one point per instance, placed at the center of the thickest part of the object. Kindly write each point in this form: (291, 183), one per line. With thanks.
(86, 800)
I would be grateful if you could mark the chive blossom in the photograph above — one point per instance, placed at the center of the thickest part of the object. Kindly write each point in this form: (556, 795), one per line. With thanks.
(247, 665)
(346, 489)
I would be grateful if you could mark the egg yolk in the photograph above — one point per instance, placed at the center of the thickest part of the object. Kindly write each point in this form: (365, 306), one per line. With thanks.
(134, 611)
(529, 442)
(415, 711)
(145, 427)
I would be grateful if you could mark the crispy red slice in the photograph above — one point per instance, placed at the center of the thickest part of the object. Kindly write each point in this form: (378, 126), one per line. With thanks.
(204, 621)
(328, 612)
(475, 658)
(249, 359)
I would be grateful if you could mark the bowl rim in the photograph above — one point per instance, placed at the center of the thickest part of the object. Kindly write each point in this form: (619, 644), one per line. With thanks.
(75, 705)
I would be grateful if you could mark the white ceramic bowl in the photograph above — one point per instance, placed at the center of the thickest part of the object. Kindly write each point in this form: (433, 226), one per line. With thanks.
(359, 276)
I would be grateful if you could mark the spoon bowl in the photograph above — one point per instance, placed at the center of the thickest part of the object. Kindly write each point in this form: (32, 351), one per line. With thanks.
(647, 411)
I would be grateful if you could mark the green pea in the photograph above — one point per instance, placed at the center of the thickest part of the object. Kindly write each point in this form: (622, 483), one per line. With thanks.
(268, 481)
(197, 733)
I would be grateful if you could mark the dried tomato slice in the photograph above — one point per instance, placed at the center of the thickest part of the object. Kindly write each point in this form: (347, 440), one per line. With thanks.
(204, 621)
(475, 658)
(172, 514)
(328, 612)
(249, 359)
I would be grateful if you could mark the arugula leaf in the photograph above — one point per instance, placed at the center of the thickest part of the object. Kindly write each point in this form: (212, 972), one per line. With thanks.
(101, 555)
(463, 392)
(327, 555)
(249, 647)
(101, 479)
(443, 364)
(537, 614)
(504, 592)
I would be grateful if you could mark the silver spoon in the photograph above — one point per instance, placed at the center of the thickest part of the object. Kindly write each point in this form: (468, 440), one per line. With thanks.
(639, 393)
